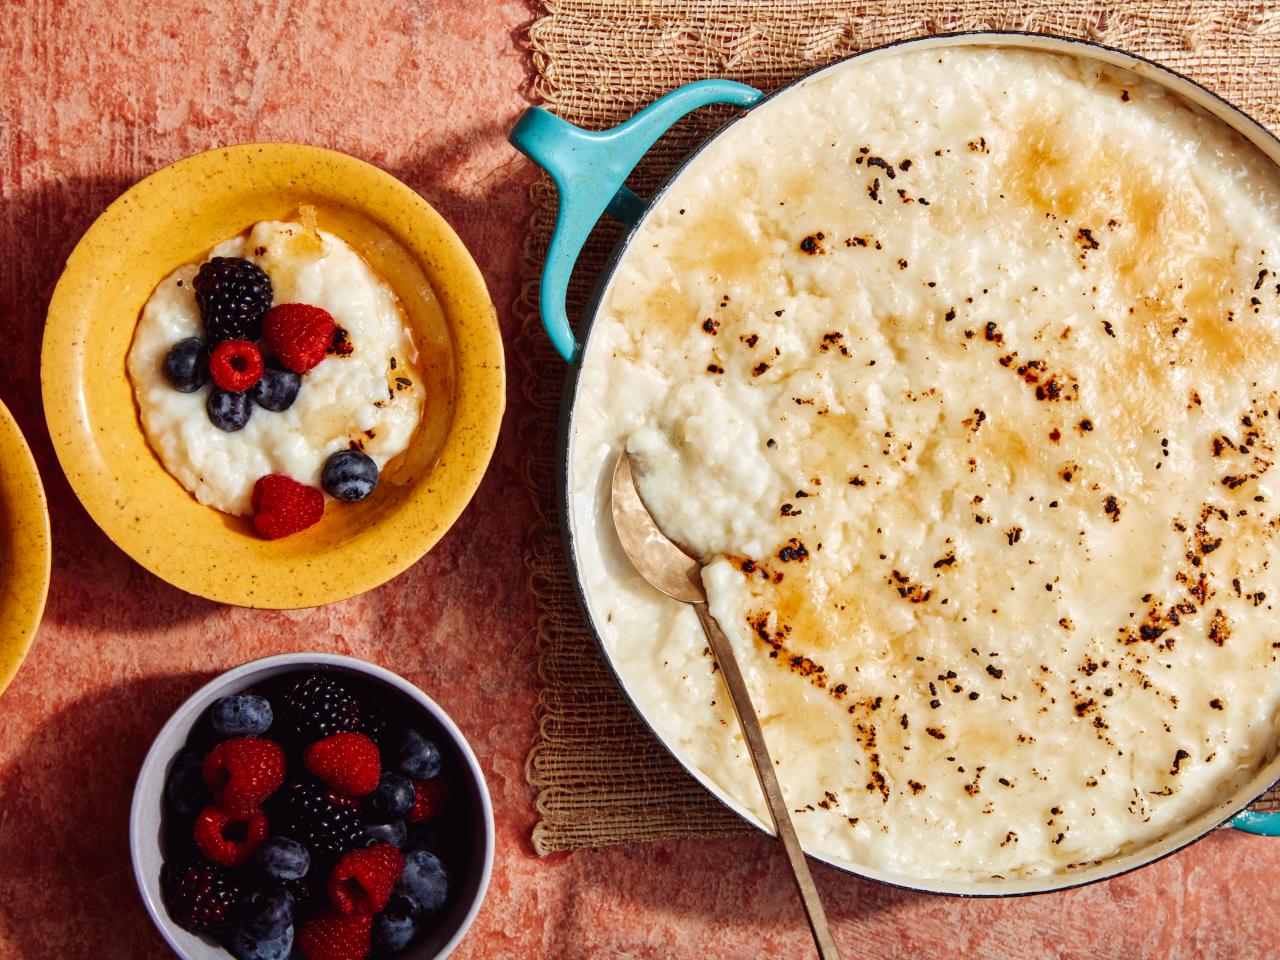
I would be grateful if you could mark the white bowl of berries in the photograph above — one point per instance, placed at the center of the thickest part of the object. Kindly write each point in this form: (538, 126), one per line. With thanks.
(315, 806)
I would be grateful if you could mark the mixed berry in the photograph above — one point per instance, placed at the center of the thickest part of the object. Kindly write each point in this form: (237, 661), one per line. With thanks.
(234, 295)
(282, 506)
(255, 353)
(309, 819)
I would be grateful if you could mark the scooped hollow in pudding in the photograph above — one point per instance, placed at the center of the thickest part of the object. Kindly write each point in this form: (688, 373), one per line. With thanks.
(366, 393)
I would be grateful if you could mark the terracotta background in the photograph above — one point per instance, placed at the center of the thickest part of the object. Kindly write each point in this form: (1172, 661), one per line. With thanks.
(92, 98)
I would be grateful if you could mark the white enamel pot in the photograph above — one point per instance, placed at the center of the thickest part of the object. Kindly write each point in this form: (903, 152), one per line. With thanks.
(589, 169)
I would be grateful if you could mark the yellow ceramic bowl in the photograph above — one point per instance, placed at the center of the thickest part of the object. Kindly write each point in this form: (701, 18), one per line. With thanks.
(174, 217)
(24, 548)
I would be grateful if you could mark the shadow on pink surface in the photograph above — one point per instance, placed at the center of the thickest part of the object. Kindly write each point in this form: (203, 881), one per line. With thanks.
(88, 570)
(65, 852)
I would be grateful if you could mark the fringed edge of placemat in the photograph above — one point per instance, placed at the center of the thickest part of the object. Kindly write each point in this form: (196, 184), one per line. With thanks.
(579, 703)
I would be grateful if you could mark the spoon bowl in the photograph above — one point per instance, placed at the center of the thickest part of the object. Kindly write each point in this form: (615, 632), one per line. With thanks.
(655, 555)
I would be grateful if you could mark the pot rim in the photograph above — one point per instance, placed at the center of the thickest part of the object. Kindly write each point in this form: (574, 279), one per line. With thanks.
(1189, 831)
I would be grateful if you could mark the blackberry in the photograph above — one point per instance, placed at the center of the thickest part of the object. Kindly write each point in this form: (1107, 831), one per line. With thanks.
(201, 897)
(326, 828)
(234, 295)
(318, 707)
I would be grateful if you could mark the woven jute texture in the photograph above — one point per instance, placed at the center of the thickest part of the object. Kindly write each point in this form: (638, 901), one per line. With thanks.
(601, 776)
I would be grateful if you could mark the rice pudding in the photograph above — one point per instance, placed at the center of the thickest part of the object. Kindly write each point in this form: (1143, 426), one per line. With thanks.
(968, 402)
(367, 393)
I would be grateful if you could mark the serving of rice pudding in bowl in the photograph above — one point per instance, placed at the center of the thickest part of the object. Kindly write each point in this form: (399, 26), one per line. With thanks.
(363, 395)
(967, 401)
(391, 258)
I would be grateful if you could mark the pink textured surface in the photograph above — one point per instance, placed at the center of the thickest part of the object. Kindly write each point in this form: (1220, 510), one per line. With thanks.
(91, 99)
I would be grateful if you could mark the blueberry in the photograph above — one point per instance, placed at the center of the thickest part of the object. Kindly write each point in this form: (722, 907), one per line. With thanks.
(244, 715)
(186, 365)
(394, 833)
(392, 932)
(284, 859)
(417, 756)
(277, 948)
(229, 411)
(266, 913)
(277, 389)
(187, 792)
(393, 797)
(424, 879)
(402, 903)
(349, 475)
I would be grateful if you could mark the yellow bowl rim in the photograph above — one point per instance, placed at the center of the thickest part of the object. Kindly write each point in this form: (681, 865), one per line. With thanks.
(479, 397)
(15, 453)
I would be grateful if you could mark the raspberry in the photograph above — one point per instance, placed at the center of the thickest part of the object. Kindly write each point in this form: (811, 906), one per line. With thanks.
(326, 828)
(282, 506)
(299, 335)
(335, 937)
(243, 772)
(234, 295)
(235, 365)
(429, 798)
(361, 881)
(348, 762)
(227, 838)
(318, 706)
(200, 897)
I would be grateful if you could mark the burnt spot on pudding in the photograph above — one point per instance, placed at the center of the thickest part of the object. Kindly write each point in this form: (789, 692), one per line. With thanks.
(1111, 507)
(793, 552)
(812, 244)
(341, 345)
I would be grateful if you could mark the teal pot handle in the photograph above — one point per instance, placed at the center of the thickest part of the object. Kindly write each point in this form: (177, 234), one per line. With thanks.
(1259, 824)
(589, 170)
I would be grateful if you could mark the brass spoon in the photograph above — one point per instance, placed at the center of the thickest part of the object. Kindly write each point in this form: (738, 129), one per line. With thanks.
(679, 576)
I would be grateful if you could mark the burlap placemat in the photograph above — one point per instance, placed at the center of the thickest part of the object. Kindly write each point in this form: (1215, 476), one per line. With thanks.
(601, 776)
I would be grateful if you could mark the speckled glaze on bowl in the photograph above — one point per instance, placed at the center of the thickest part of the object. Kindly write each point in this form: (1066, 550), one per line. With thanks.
(469, 880)
(174, 217)
(25, 553)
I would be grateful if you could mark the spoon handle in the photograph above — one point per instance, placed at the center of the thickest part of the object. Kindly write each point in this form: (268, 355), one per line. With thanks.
(722, 650)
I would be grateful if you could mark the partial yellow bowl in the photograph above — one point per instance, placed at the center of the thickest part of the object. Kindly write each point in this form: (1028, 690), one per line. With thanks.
(174, 217)
(25, 554)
